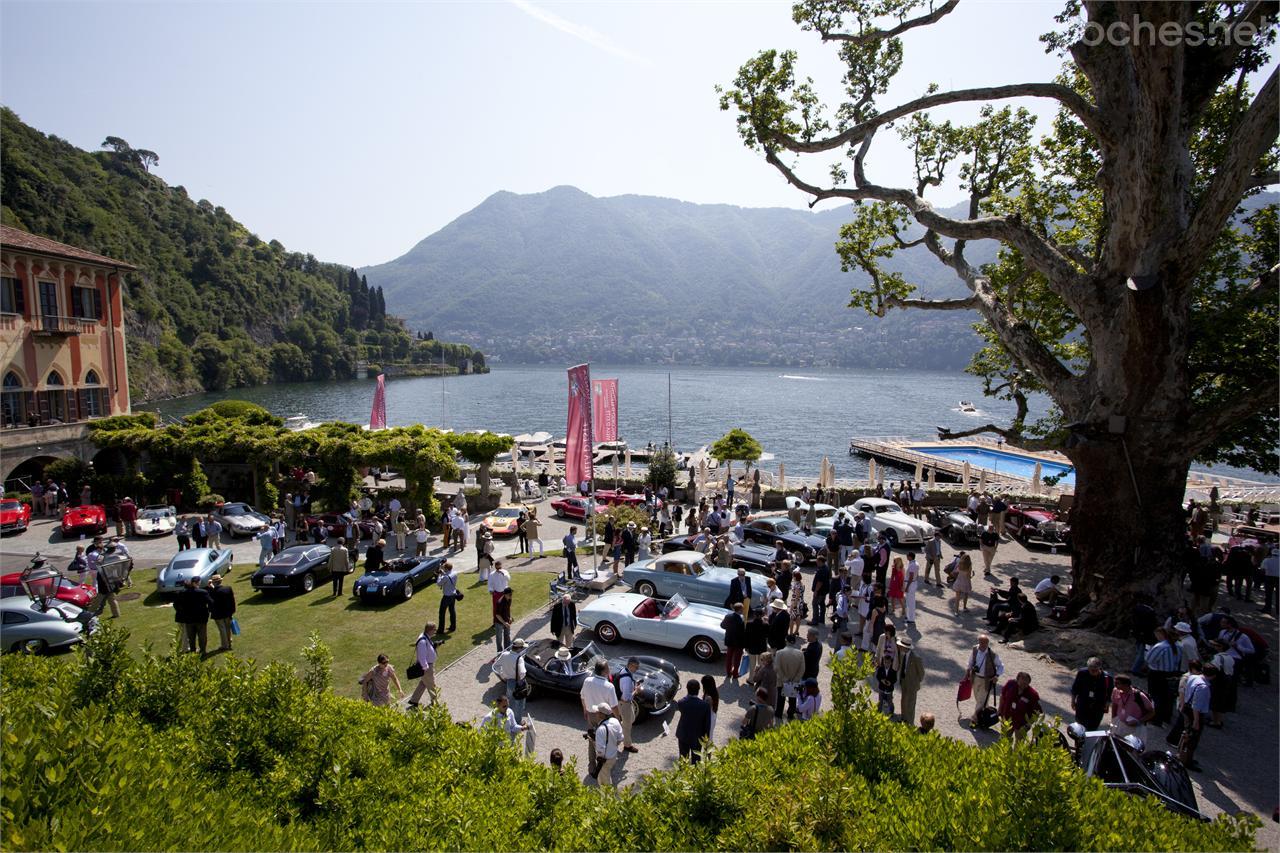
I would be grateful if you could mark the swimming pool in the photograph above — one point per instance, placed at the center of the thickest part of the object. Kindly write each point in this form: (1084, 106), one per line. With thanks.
(1000, 461)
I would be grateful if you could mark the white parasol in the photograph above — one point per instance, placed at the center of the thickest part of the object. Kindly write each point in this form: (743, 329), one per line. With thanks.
(515, 460)
(1035, 480)
(964, 475)
(933, 478)
(919, 470)
(871, 474)
(615, 465)
(782, 478)
(982, 479)
(628, 463)
(702, 475)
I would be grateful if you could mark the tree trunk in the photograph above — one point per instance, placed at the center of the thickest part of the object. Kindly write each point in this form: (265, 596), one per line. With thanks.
(1126, 542)
(483, 477)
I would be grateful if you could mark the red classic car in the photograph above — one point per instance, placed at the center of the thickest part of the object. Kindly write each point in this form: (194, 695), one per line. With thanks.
(14, 516)
(574, 507)
(336, 525)
(77, 594)
(79, 520)
(1036, 526)
(616, 497)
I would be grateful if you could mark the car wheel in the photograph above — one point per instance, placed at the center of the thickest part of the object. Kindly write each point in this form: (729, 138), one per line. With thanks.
(658, 710)
(891, 536)
(798, 558)
(703, 648)
(102, 529)
(647, 588)
(308, 582)
(408, 590)
(559, 512)
(607, 633)
(33, 646)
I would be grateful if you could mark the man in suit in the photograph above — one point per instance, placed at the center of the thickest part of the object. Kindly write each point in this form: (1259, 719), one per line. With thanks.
(789, 664)
(695, 722)
(191, 611)
(779, 624)
(564, 621)
(739, 591)
(910, 677)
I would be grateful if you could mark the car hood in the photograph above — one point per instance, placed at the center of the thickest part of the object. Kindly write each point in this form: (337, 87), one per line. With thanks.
(903, 519)
(10, 514)
(80, 516)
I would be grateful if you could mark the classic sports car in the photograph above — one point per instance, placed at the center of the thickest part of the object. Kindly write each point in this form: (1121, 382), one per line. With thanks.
(657, 677)
(614, 497)
(397, 579)
(1120, 762)
(336, 525)
(747, 555)
(504, 521)
(28, 626)
(676, 624)
(770, 529)
(1034, 526)
(574, 507)
(684, 573)
(63, 589)
(240, 519)
(202, 563)
(821, 510)
(888, 519)
(156, 520)
(294, 569)
(956, 524)
(82, 520)
(15, 516)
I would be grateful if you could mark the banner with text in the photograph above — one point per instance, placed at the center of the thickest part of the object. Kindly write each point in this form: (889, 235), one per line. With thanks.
(604, 409)
(578, 437)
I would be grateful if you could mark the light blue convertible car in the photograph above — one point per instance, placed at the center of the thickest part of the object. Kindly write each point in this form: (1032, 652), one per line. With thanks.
(200, 563)
(689, 574)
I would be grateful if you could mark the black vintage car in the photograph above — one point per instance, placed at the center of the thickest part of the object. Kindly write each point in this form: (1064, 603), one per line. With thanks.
(1120, 762)
(771, 529)
(747, 555)
(655, 693)
(294, 569)
(957, 526)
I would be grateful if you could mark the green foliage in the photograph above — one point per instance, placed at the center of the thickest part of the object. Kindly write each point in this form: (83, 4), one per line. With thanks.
(621, 515)
(73, 472)
(168, 752)
(211, 304)
(662, 469)
(318, 675)
(210, 500)
(736, 444)
(24, 497)
(481, 448)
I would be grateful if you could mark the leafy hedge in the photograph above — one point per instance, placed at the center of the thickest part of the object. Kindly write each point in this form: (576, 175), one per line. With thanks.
(113, 753)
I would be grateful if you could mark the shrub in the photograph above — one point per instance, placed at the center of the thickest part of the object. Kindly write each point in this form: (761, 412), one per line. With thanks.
(621, 515)
(24, 497)
(168, 752)
(209, 501)
(662, 469)
(73, 472)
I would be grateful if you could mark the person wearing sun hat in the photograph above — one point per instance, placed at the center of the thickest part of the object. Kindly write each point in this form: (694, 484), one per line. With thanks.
(1186, 644)
(779, 624)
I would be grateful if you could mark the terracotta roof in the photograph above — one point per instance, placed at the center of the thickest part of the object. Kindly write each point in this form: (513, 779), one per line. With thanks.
(12, 238)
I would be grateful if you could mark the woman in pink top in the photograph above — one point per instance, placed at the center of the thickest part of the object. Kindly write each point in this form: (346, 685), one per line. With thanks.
(1130, 708)
(897, 587)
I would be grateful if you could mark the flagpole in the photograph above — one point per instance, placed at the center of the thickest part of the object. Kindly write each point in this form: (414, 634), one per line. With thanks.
(669, 410)
(591, 473)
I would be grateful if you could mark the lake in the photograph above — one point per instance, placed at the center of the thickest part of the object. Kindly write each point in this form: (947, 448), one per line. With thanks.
(797, 415)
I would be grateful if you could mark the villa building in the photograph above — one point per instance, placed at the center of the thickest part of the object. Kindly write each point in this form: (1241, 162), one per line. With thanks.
(62, 332)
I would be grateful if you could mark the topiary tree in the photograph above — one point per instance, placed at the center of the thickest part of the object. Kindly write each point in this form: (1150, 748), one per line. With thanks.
(481, 449)
(737, 443)
(662, 468)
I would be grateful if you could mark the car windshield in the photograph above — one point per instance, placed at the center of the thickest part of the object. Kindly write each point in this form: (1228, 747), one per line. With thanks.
(674, 607)
(784, 525)
(698, 567)
(156, 513)
(507, 512)
(888, 506)
(288, 558)
(235, 509)
(10, 505)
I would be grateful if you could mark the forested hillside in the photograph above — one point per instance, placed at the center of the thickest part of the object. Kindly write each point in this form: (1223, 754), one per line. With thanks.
(212, 306)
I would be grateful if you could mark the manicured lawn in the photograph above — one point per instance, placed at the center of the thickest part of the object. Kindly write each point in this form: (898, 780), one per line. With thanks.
(276, 627)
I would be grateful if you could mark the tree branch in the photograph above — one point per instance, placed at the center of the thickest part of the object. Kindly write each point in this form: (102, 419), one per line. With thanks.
(1069, 98)
(963, 303)
(880, 35)
(1233, 177)
(1263, 179)
(1012, 436)
(1208, 424)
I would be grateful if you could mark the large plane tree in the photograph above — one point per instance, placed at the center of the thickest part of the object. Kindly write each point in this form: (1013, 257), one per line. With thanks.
(1133, 285)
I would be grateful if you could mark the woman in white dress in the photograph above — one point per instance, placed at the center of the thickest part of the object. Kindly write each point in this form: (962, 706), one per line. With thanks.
(643, 541)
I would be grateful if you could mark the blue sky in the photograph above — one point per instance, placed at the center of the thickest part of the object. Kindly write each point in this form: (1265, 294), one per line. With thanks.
(353, 130)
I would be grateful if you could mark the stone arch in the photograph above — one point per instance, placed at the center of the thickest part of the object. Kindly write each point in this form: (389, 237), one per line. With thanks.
(110, 460)
(19, 475)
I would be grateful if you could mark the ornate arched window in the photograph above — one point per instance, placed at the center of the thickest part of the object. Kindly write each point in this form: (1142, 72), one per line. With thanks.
(93, 397)
(13, 401)
(54, 403)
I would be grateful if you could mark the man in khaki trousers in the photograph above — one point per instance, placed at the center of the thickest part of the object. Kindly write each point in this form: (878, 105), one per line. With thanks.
(627, 683)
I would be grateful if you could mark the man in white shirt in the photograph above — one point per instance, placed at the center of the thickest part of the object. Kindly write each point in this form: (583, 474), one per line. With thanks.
(499, 581)
(395, 507)
(855, 565)
(510, 667)
(984, 668)
(425, 652)
(420, 537)
(597, 690)
(910, 584)
(606, 741)
(502, 718)
(973, 504)
(1270, 580)
(1186, 644)
(459, 524)
(1047, 591)
(917, 500)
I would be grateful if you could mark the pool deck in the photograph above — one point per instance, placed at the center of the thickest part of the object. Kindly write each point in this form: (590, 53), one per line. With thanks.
(897, 451)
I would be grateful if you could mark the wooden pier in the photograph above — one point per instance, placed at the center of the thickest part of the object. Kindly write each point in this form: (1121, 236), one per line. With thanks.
(896, 451)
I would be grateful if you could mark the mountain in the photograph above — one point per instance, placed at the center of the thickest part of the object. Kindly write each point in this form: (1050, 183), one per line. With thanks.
(561, 275)
(211, 306)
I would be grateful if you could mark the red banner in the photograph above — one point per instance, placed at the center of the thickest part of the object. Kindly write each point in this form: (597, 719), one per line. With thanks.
(378, 416)
(578, 437)
(604, 409)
